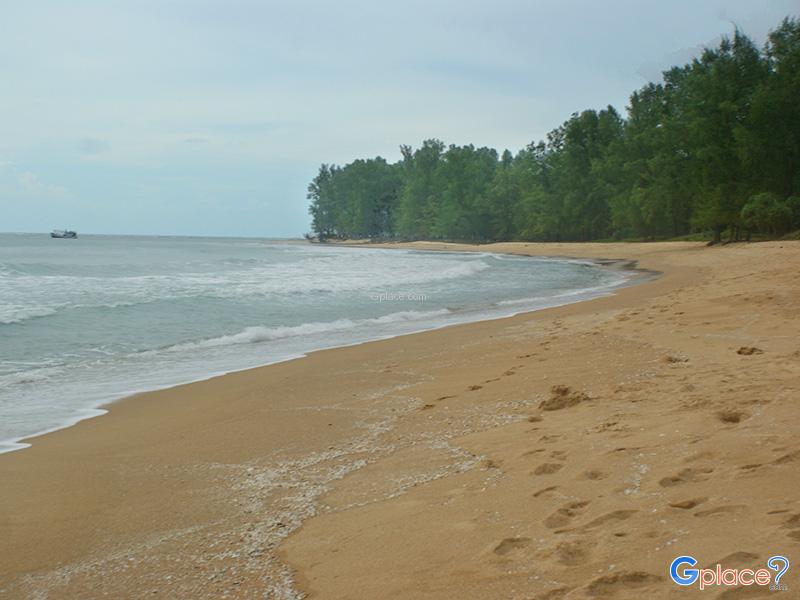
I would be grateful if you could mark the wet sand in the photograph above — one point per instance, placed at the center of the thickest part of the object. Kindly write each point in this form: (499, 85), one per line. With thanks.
(567, 453)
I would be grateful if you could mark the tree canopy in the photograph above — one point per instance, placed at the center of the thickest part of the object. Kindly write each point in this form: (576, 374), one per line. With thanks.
(714, 147)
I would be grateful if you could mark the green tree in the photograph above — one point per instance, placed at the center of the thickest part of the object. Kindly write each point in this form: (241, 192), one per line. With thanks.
(714, 147)
(720, 85)
(770, 145)
(420, 189)
(770, 213)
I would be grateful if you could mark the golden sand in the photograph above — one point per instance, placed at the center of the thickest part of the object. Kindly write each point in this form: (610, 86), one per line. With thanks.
(566, 453)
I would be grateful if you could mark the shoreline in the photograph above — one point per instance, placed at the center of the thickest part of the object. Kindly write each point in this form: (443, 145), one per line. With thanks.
(101, 409)
(428, 457)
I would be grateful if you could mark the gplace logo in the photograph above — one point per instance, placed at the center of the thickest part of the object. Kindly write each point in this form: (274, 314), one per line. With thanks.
(682, 575)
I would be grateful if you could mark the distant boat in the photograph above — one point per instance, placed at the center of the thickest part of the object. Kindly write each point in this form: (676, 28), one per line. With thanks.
(64, 233)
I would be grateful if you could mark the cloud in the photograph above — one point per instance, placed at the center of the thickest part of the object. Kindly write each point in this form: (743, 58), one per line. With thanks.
(244, 99)
(28, 185)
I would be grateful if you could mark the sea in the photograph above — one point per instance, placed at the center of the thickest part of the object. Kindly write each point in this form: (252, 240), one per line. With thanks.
(87, 321)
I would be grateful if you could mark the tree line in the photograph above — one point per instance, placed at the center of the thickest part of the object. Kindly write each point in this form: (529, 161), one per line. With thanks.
(713, 148)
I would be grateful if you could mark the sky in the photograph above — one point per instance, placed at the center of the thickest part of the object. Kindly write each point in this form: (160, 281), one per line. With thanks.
(211, 117)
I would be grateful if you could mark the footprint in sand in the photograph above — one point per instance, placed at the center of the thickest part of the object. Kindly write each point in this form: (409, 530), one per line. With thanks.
(612, 517)
(562, 396)
(687, 504)
(547, 468)
(594, 474)
(793, 522)
(564, 515)
(573, 553)
(546, 490)
(721, 510)
(686, 476)
(751, 467)
(624, 581)
(623, 449)
(732, 416)
(787, 458)
(533, 452)
(672, 359)
(510, 544)
(749, 351)
(554, 594)
(473, 388)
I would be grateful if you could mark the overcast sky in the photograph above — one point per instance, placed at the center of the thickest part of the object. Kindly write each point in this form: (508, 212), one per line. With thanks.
(210, 117)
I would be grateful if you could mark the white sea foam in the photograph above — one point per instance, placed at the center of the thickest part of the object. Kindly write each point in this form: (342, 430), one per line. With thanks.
(17, 313)
(256, 334)
(29, 376)
(552, 298)
(88, 322)
(55, 293)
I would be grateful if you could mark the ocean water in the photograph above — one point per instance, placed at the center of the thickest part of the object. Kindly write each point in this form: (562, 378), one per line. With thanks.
(87, 321)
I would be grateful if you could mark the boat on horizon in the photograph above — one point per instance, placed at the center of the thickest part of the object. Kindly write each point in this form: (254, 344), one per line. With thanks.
(64, 234)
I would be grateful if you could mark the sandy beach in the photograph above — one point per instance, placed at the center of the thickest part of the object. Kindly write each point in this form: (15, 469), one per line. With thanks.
(567, 453)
